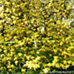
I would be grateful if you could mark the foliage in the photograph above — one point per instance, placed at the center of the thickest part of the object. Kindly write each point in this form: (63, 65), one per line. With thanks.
(27, 49)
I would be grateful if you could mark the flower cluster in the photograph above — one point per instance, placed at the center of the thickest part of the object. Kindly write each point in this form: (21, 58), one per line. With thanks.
(24, 47)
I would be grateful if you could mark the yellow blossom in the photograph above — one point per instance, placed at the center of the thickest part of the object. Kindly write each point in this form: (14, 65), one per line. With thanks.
(19, 54)
(45, 70)
(69, 62)
(16, 62)
(23, 70)
(73, 63)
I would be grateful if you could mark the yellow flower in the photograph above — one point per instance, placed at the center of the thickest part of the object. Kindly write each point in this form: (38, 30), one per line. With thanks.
(67, 66)
(73, 63)
(7, 3)
(30, 66)
(37, 52)
(1, 68)
(12, 66)
(58, 22)
(16, 62)
(32, 57)
(25, 65)
(50, 55)
(23, 70)
(1, 9)
(1, 27)
(20, 43)
(61, 43)
(9, 66)
(69, 54)
(8, 58)
(15, 59)
(53, 64)
(24, 55)
(57, 65)
(7, 10)
(45, 70)
(49, 5)
(49, 64)
(71, 43)
(64, 53)
(27, 57)
(55, 57)
(73, 54)
(35, 66)
(38, 58)
(69, 62)
(10, 69)
(65, 62)
(19, 54)
(55, 50)
(71, 48)
(5, 51)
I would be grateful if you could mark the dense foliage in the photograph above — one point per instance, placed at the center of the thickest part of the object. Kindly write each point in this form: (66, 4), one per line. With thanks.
(34, 38)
